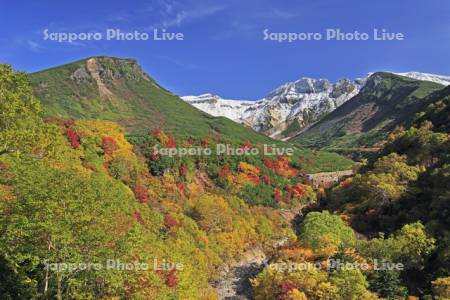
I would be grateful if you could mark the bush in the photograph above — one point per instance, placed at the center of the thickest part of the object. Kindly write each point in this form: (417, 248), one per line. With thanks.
(258, 195)
(326, 232)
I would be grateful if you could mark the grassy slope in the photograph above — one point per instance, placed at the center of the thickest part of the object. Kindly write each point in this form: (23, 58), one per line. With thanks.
(387, 100)
(138, 102)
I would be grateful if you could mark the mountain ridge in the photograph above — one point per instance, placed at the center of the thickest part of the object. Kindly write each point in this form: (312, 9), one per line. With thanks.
(285, 111)
(299, 101)
(386, 101)
(117, 89)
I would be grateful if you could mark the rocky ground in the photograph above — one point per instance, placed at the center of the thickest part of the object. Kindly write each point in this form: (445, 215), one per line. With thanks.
(234, 283)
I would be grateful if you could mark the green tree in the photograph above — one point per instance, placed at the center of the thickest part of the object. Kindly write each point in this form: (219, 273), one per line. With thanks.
(322, 230)
(63, 216)
(351, 284)
(20, 123)
(410, 246)
(387, 284)
(213, 214)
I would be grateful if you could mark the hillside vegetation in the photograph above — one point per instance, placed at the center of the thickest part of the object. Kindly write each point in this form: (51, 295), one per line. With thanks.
(89, 210)
(74, 194)
(118, 90)
(400, 201)
(386, 101)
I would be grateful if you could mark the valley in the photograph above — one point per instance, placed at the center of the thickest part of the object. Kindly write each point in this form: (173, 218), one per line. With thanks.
(225, 150)
(83, 183)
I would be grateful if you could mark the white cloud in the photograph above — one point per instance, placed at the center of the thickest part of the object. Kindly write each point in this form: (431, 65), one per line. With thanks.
(34, 46)
(176, 15)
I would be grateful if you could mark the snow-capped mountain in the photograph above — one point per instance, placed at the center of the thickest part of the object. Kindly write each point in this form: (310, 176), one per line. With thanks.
(287, 110)
(216, 106)
(441, 79)
(300, 102)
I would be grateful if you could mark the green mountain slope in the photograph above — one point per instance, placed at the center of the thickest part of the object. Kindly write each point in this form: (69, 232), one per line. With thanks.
(386, 101)
(437, 111)
(118, 90)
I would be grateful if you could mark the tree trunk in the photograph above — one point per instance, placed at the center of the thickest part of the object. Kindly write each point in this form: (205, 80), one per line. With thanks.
(46, 281)
(47, 270)
(59, 291)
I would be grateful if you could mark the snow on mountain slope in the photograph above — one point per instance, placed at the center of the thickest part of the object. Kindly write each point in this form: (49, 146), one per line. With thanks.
(441, 79)
(293, 106)
(216, 106)
(302, 101)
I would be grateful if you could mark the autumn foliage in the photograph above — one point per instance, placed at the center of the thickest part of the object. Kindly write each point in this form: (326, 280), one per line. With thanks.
(224, 172)
(181, 187)
(109, 145)
(268, 163)
(277, 195)
(281, 167)
(298, 190)
(73, 138)
(156, 133)
(170, 221)
(171, 142)
(154, 156)
(250, 172)
(266, 179)
(141, 194)
(246, 146)
(205, 143)
(284, 288)
(172, 279)
(183, 170)
(138, 217)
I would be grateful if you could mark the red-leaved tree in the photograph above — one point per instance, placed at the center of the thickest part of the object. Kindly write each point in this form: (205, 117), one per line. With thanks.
(170, 221)
(171, 279)
(109, 145)
(224, 172)
(156, 133)
(141, 194)
(277, 195)
(284, 288)
(268, 163)
(266, 179)
(138, 217)
(205, 143)
(73, 138)
(171, 142)
(181, 187)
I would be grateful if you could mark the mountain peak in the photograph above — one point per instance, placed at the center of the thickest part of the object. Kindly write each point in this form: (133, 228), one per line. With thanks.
(301, 102)
(305, 85)
(111, 58)
(297, 104)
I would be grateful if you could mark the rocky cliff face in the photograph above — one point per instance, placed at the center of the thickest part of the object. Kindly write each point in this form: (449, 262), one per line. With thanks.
(300, 103)
(294, 104)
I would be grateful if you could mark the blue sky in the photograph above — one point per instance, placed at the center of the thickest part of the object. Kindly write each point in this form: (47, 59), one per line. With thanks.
(223, 50)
